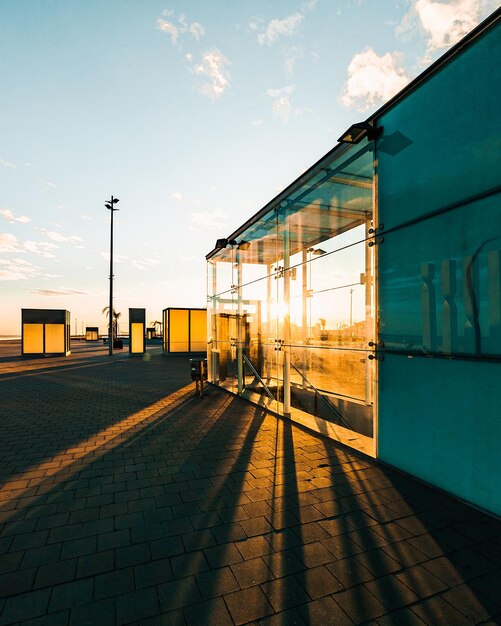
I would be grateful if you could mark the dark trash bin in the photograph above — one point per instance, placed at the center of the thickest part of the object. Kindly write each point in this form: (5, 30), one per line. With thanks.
(198, 369)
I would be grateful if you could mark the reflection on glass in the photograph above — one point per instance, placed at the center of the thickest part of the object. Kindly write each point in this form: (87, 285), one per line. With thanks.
(291, 301)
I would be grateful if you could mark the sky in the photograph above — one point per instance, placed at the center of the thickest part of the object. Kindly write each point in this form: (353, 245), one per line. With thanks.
(194, 114)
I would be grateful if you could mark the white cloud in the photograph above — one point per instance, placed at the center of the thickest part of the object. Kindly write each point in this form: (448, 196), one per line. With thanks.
(205, 219)
(17, 269)
(144, 264)
(59, 292)
(8, 165)
(117, 258)
(257, 123)
(85, 217)
(168, 27)
(213, 67)
(10, 217)
(41, 248)
(282, 106)
(177, 195)
(447, 23)
(9, 243)
(372, 79)
(280, 28)
(195, 29)
(59, 237)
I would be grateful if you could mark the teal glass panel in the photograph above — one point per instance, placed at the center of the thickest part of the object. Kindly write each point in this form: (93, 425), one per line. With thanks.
(441, 143)
(439, 181)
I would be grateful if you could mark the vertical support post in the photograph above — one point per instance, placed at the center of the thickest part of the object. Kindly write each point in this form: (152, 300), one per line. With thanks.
(240, 358)
(110, 330)
(304, 310)
(287, 319)
(369, 314)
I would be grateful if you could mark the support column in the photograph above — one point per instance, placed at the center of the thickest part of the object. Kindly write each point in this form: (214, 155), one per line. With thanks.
(287, 323)
(240, 339)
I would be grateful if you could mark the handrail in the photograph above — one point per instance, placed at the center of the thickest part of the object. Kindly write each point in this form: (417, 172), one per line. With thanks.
(253, 370)
(323, 398)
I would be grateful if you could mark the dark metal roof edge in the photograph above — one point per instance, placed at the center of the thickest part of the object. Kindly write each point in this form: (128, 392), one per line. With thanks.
(425, 74)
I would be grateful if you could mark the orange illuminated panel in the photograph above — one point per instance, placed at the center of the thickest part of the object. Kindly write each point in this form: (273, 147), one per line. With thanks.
(137, 337)
(91, 335)
(198, 331)
(33, 339)
(54, 338)
(179, 330)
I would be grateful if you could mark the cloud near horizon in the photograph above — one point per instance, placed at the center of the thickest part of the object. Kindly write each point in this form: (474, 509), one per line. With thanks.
(59, 292)
(17, 269)
(373, 79)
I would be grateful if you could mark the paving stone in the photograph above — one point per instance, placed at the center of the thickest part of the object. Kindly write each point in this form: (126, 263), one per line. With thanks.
(179, 593)
(69, 595)
(290, 617)
(284, 593)
(217, 582)
(16, 582)
(324, 611)
(359, 604)
(252, 572)
(208, 613)
(137, 605)
(422, 582)
(113, 583)
(96, 563)
(54, 574)
(224, 554)
(153, 573)
(437, 610)
(99, 613)
(248, 605)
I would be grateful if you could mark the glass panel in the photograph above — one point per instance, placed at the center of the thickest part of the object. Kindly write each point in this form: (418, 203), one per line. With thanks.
(178, 330)
(137, 337)
(429, 161)
(54, 338)
(198, 331)
(33, 339)
(440, 283)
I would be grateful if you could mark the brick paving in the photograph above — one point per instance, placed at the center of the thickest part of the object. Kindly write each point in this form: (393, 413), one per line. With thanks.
(125, 499)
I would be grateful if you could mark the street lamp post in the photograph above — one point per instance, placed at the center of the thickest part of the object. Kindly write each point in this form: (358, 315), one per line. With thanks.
(110, 206)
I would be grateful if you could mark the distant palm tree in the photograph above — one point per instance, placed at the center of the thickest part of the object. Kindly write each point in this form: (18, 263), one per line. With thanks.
(157, 326)
(106, 311)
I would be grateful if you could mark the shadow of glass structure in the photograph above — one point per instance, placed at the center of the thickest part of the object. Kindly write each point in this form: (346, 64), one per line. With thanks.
(364, 301)
(184, 330)
(45, 332)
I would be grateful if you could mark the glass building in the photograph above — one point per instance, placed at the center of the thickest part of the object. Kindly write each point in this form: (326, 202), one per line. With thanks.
(364, 301)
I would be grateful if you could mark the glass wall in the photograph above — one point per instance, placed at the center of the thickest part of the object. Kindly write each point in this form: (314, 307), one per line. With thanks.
(440, 276)
(291, 299)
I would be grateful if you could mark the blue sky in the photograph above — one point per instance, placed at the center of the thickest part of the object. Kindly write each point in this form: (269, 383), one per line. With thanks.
(194, 113)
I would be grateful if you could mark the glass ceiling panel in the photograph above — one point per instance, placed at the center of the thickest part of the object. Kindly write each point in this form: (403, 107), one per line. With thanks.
(334, 199)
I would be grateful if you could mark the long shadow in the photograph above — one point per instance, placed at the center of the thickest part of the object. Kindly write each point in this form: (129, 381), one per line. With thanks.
(405, 549)
(48, 413)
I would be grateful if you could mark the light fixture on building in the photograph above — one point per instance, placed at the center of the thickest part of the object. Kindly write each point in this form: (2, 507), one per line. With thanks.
(356, 132)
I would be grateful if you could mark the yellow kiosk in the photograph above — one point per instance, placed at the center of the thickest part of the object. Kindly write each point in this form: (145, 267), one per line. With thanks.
(45, 332)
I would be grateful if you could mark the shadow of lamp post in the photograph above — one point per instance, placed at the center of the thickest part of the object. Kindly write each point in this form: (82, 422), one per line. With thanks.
(110, 205)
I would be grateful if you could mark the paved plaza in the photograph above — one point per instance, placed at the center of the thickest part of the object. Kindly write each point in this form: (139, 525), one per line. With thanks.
(125, 499)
